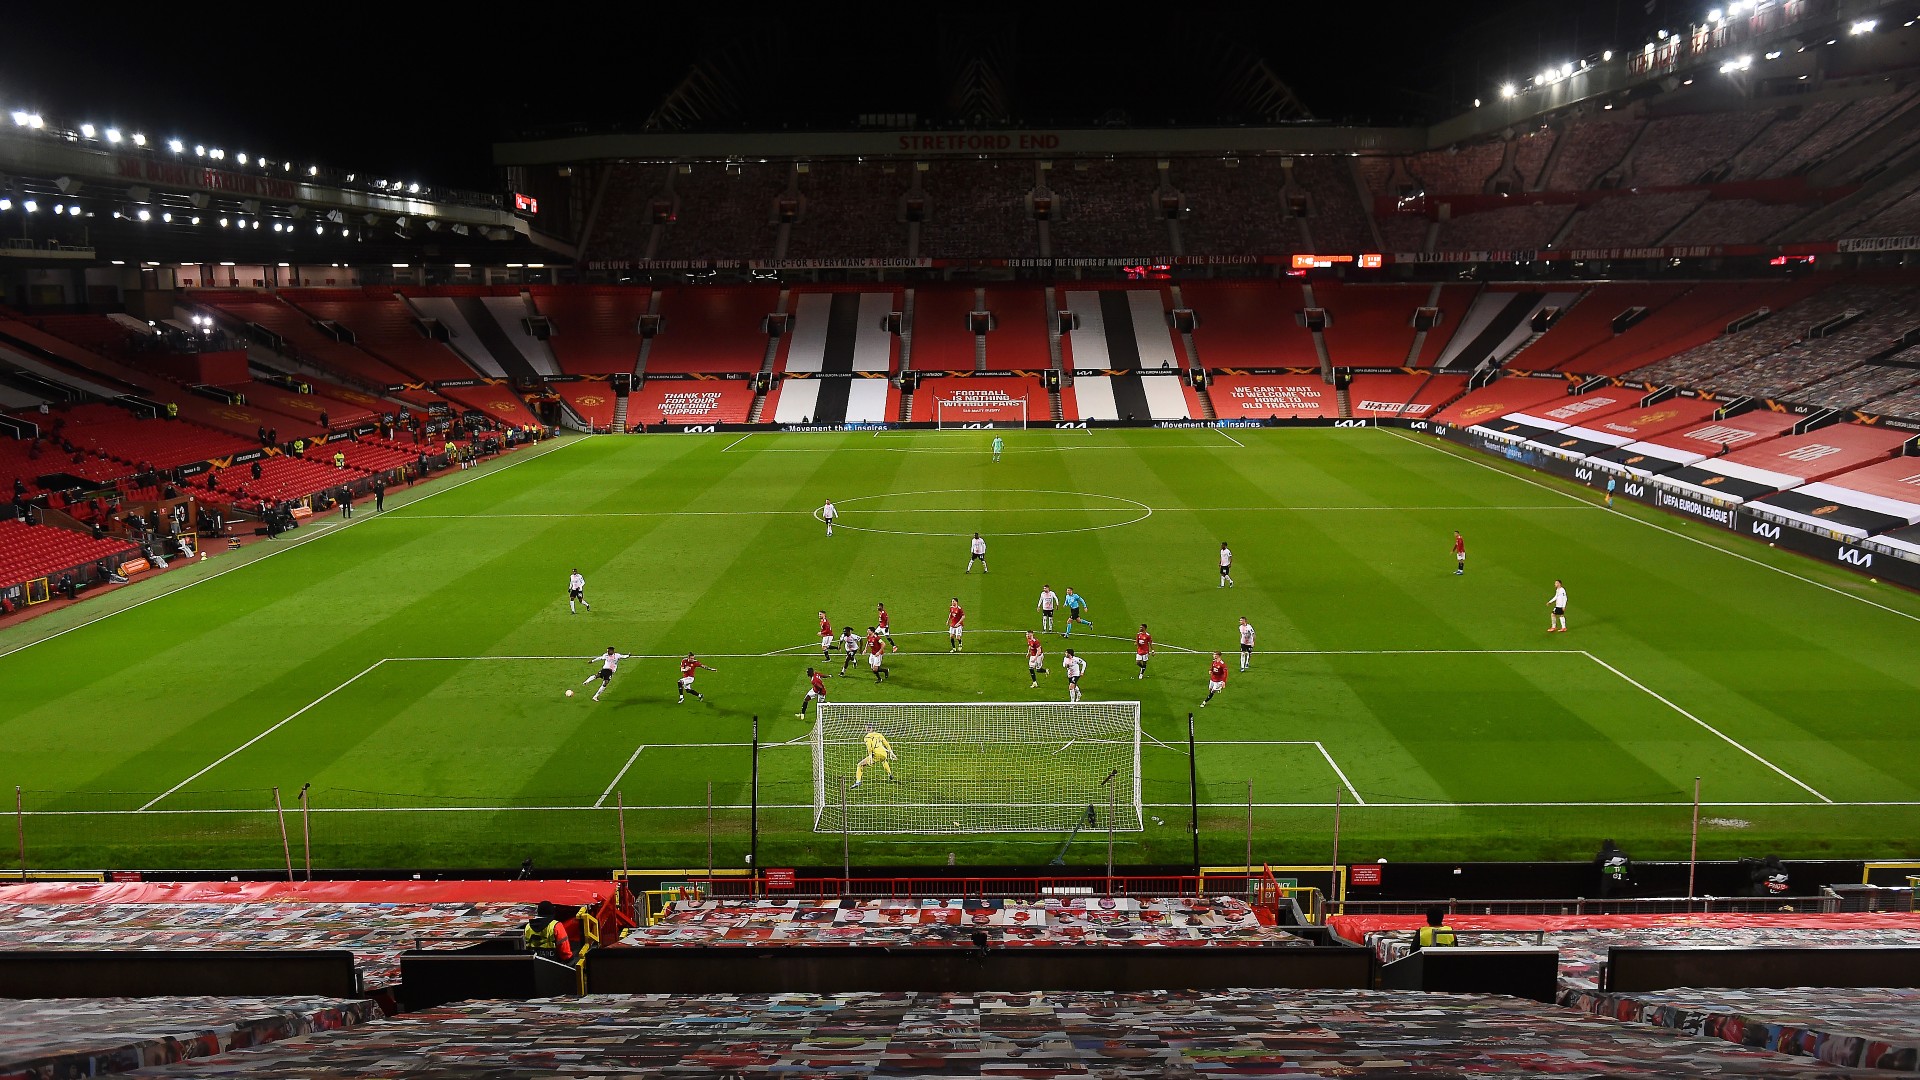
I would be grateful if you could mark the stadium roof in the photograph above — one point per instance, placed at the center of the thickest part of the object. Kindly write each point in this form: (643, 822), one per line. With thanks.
(429, 102)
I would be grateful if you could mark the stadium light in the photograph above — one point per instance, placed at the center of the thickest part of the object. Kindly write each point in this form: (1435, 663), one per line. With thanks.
(87, 131)
(199, 151)
(256, 224)
(1864, 26)
(145, 215)
(313, 170)
(30, 206)
(1506, 90)
(223, 223)
(241, 157)
(319, 230)
(58, 209)
(1606, 57)
(6, 204)
(196, 219)
(113, 136)
(139, 139)
(413, 189)
(1715, 15)
(167, 218)
(21, 117)
(176, 145)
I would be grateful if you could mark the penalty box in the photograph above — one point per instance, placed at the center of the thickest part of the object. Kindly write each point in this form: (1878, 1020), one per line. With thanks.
(497, 731)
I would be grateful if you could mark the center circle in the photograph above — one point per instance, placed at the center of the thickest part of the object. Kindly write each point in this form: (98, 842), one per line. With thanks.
(1114, 505)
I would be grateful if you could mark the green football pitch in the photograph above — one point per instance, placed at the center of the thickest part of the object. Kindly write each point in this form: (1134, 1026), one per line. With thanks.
(412, 667)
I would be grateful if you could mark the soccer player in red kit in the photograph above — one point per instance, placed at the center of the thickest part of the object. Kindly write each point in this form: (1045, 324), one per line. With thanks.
(688, 665)
(1036, 661)
(876, 652)
(885, 627)
(1216, 678)
(816, 691)
(1459, 553)
(826, 636)
(956, 624)
(1142, 649)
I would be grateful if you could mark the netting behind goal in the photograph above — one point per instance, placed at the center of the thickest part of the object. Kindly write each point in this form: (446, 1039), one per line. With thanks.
(988, 767)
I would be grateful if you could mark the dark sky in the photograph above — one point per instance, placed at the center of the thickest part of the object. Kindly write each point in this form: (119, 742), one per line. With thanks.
(424, 101)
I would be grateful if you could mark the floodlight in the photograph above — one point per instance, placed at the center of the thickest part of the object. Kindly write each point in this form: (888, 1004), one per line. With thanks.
(176, 145)
(241, 157)
(21, 117)
(413, 189)
(6, 204)
(87, 130)
(113, 135)
(1606, 57)
(313, 170)
(223, 223)
(139, 139)
(58, 209)
(1506, 90)
(1864, 26)
(199, 151)
(196, 219)
(167, 217)
(146, 215)
(30, 206)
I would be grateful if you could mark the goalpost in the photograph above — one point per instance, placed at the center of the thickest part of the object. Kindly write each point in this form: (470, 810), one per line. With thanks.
(969, 767)
(986, 410)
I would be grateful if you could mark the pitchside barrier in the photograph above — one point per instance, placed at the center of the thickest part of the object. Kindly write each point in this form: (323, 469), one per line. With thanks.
(1724, 516)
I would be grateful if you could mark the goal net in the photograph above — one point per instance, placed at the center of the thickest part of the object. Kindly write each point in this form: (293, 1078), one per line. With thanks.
(971, 768)
(979, 409)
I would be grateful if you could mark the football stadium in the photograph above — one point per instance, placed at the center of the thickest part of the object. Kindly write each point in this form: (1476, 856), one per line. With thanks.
(909, 546)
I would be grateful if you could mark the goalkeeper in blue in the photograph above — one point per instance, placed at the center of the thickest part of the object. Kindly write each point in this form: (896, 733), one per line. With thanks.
(879, 751)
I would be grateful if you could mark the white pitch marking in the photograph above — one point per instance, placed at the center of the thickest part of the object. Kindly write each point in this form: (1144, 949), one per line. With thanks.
(1664, 529)
(1010, 510)
(1229, 438)
(289, 545)
(1724, 737)
(1343, 776)
(616, 776)
(736, 442)
(262, 735)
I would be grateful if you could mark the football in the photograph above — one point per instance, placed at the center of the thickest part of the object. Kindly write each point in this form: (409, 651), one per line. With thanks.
(569, 693)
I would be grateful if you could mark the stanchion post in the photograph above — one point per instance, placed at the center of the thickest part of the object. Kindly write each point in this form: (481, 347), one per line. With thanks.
(286, 848)
(1249, 828)
(1693, 847)
(20, 826)
(620, 811)
(753, 819)
(1193, 795)
(306, 830)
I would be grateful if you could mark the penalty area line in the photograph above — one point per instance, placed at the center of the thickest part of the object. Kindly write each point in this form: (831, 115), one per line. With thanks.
(1723, 736)
(601, 801)
(276, 727)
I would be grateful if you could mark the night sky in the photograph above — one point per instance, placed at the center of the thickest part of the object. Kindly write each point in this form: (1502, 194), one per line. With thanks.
(421, 99)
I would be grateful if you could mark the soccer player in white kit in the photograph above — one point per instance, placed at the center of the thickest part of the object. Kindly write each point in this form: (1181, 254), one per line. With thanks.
(609, 664)
(1075, 667)
(1226, 566)
(1557, 620)
(849, 648)
(977, 554)
(1048, 602)
(828, 514)
(1246, 643)
(577, 592)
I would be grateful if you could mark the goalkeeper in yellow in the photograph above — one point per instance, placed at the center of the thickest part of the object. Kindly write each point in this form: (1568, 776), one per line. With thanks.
(879, 751)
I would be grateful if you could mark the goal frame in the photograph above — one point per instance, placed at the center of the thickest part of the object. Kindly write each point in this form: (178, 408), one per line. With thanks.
(1123, 755)
(976, 422)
